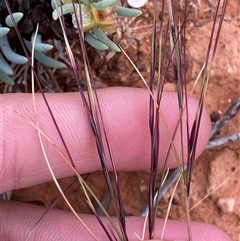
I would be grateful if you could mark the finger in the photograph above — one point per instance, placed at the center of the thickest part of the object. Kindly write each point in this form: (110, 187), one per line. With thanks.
(62, 225)
(125, 114)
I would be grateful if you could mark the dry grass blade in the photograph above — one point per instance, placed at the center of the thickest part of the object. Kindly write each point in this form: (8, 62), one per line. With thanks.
(154, 130)
(96, 121)
(205, 79)
(93, 112)
(169, 207)
(180, 77)
(46, 157)
(37, 80)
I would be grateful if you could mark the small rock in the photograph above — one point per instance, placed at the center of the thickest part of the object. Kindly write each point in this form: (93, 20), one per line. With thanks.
(143, 188)
(226, 204)
(137, 3)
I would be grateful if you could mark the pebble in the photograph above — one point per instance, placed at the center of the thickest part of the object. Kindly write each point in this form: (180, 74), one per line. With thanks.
(226, 204)
(137, 3)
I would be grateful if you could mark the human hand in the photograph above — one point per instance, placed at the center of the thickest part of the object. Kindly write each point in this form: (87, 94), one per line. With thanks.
(125, 113)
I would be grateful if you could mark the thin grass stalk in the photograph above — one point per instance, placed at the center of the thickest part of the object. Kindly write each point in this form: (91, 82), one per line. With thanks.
(170, 137)
(50, 207)
(35, 77)
(81, 180)
(185, 87)
(205, 81)
(175, 39)
(154, 119)
(196, 125)
(74, 68)
(45, 100)
(38, 82)
(100, 221)
(61, 191)
(43, 148)
(169, 207)
(164, 77)
(192, 138)
(162, 55)
(160, 85)
(177, 69)
(154, 131)
(94, 111)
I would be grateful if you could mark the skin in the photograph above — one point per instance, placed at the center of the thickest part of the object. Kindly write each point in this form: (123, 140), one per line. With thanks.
(125, 114)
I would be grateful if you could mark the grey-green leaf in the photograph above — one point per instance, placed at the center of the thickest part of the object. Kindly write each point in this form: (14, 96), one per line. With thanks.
(44, 59)
(39, 46)
(3, 31)
(94, 42)
(103, 4)
(66, 8)
(10, 54)
(102, 37)
(17, 17)
(4, 66)
(128, 12)
(5, 78)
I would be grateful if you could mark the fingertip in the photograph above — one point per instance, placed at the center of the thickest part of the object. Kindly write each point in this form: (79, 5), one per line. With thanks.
(64, 225)
(176, 231)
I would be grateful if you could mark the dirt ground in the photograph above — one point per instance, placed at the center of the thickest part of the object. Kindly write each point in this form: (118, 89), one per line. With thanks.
(216, 174)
